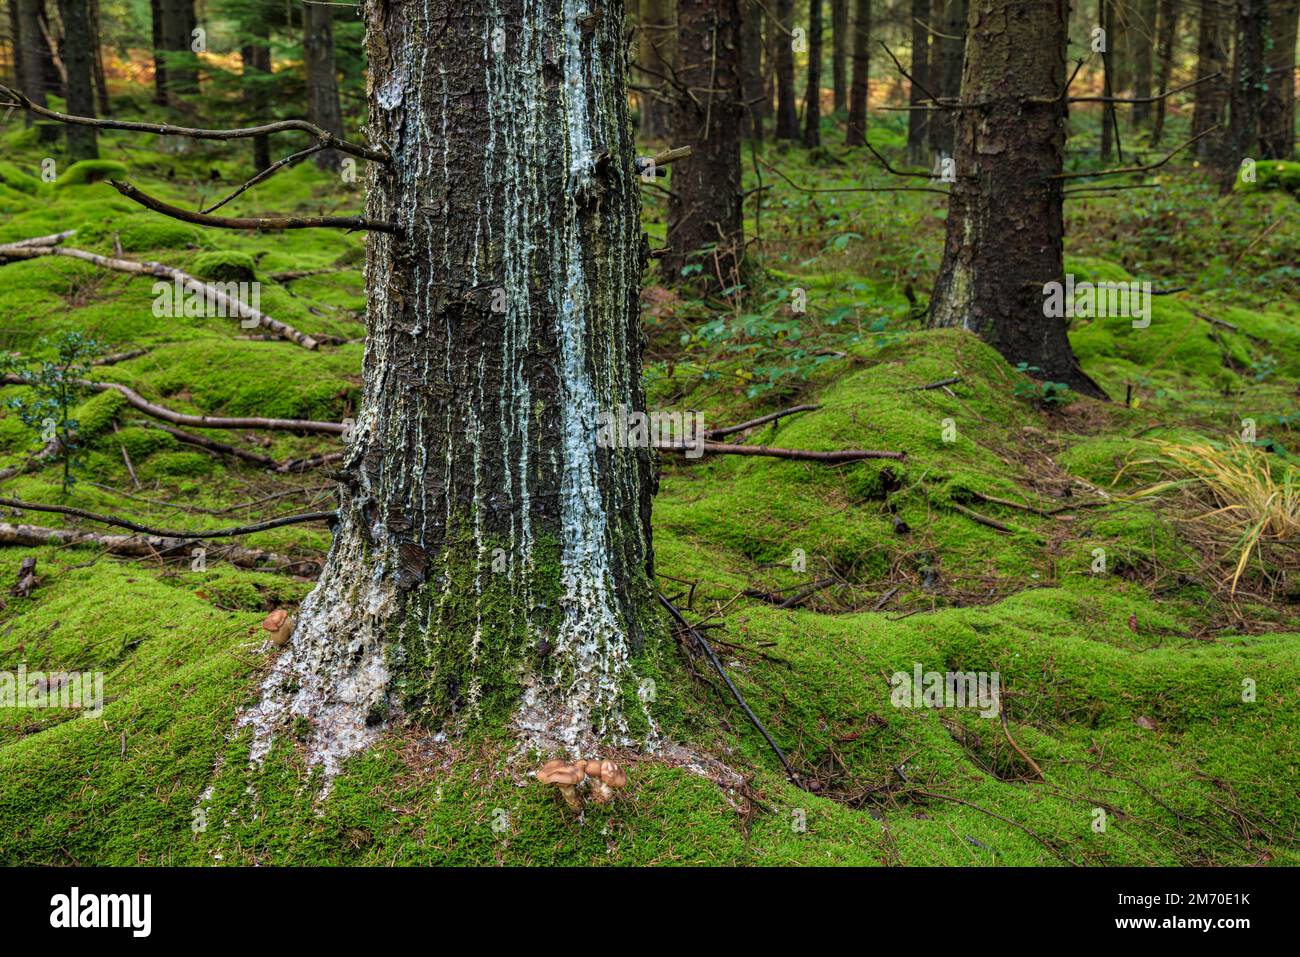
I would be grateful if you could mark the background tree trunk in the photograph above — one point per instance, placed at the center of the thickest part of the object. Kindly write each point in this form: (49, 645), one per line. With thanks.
(751, 117)
(159, 44)
(946, 82)
(1249, 81)
(1168, 43)
(655, 49)
(787, 116)
(97, 61)
(1109, 124)
(490, 558)
(812, 97)
(1142, 30)
(178, 23)
(322, 76)
(704, 209)
(33, 50)
(1005, 231)
(78, 61)
(918, 120)
(860, 94)
(1277, 115)
(839, 54)
(1211, 104)
(256, 58)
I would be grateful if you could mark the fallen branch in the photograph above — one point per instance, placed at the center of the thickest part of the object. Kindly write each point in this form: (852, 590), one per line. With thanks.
(1002, 710)
(761, 420)
(232, 306)
(220, 448)
(254, 223)
(839, 455)
(166, 533)
(52, 240)
(952, 380)
(137, 546)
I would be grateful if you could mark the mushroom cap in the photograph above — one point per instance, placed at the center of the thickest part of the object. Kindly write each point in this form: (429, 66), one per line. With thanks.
(593, 768)
(612, 774)
(273, 621)
(562, 772)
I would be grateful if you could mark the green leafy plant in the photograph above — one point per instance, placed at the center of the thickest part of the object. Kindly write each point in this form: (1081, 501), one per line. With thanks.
(55, 388)
(1045, 392)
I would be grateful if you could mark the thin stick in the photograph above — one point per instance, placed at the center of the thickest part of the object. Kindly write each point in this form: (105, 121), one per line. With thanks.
(1137, 169)
(735, 692)
(291, 160)
(761, 420)
(1143, 99)
(163, 533)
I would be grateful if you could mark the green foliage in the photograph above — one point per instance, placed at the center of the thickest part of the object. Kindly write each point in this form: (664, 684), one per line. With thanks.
(90, 171)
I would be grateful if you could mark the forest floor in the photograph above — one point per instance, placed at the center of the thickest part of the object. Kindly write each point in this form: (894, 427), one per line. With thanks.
(1150, 711)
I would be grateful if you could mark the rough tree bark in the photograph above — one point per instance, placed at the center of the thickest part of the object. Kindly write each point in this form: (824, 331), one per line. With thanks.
(751, 27)
(839, 54)
(1005, 231)
(323, 107)
(78, 61)
(918, 120)
(1249, 82)
(812, 97)
(1142, 31)
(1277, 115)
(1165, 56)
(491, 558)
(1210, 107)
(34, 51)
(945, 80)
(860, 93)
(787, 116)
(704, 209)
(178, 24)
(655, 53)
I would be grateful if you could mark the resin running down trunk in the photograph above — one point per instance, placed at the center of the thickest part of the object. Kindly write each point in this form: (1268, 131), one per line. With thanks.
(491, 560)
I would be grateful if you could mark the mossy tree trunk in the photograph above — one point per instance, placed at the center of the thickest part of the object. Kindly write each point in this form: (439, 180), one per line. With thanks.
(812, 96)
(78, 61)
(322, 76)
(1277, 116)
(491, 558)
(1005, 231)
(787, 116)
(704, 210)
(859, 93)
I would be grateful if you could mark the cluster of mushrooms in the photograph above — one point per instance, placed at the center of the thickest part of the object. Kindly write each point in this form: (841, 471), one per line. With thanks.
(602, 778)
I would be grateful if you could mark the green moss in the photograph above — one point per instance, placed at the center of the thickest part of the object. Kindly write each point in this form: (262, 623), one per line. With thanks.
(90, 171)
(17, 179)
(224, 266)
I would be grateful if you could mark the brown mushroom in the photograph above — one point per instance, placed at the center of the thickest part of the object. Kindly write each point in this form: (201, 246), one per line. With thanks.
(606, 777)
(566, 776)
(280, 625)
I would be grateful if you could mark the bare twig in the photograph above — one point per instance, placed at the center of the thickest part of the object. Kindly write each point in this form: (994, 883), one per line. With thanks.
(164, 533)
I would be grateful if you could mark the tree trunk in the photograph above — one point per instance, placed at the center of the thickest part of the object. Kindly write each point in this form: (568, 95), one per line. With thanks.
(946, 82)
(35, 52)
(1005, 227)
(1277, 116)
(704, 209)
(1109, 125)
(1168, 43)
(918, 120)
(1249, 82)
(159, 44)
(860, 94)
(101, 81)
(1142, 31)
(178, 36)
(322, 76)
(492, 556)
(751, 27)
(78, 61)
(15, 46)
(812, 98)
(787, 117)
(839, 54)
(655, 50)
(256, 57)
(1211, 104)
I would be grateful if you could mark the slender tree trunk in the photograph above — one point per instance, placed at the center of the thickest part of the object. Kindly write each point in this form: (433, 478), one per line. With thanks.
(1142, 30)
(97, 50)
(322, 76)
(1168, 43)
(1211, 103)
(15, 45)
(839, 54)
(52, 64)
(159, 44)
(704, 209)
(918, 120)
(1005, 232)
(860, 94)
(946, 82)
(751, 117)
(33, 51)
(1277, 116)
(78, 60)
(1249, 82)
(655, 52)
(256, 57)
(492, 555)
(787, 116)
(812, 99)
(1109, 124)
